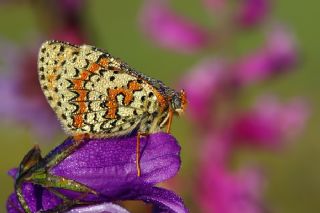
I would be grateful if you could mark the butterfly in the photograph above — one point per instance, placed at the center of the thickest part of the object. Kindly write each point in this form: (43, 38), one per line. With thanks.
(95, 94)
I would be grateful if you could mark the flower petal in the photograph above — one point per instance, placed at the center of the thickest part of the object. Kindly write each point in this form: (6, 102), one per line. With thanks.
(109, 165)
(281, 47)
(41, 199)
(13, 205)
(203, 85)
(217, 148)
(13, 172)
(163, 199)
(170, 30)
(37, 198)
(252, 12)
(278, 55)
(222, 191)
(100, 208)
(271, 123)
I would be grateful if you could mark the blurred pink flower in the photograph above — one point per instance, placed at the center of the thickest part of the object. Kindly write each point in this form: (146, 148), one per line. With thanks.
(222, 191)
(252, 12)
(271, 123)
(211, 85)
(23, 101)
(171, 30)
(281, 48)
(203, 84)
(216, 149)
(19, 86)
(278, 55)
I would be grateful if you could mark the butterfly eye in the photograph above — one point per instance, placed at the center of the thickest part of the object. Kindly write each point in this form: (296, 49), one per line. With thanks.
(175, 102)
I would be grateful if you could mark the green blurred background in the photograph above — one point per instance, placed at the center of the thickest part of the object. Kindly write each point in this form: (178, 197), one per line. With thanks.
(293, 183)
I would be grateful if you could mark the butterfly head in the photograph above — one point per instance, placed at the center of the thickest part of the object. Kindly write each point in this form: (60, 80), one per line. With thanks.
(179, 102)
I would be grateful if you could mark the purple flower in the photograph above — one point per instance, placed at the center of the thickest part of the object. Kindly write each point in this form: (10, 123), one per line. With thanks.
(252, 12)
(108, 167)
(278, 55)
(100, 208)
(170, 30)
(271, 123)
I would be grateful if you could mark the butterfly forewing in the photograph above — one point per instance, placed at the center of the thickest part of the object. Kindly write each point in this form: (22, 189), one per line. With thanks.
(90, 92)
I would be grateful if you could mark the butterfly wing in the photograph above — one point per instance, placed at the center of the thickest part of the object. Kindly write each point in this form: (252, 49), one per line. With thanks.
(90, 92)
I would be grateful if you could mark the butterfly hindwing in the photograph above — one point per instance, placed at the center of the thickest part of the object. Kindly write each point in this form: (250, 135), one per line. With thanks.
(89, 91)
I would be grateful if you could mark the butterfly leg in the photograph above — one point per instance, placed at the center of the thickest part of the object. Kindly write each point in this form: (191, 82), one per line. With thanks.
(169, 120)
(139, 135)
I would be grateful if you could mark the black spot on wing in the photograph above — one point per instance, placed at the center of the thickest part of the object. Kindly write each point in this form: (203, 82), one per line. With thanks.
(87, 63)
(64, 116)
(61, 48)
(113, 123)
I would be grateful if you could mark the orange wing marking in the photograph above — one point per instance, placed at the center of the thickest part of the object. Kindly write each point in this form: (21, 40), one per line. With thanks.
(128, 97)
(104, 62)
(78, 86)
(93, 67)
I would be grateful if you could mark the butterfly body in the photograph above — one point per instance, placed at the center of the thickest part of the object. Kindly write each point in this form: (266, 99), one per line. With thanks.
(93, 93)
